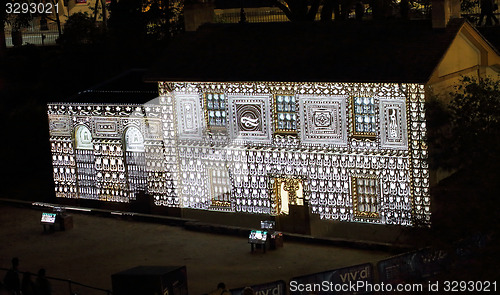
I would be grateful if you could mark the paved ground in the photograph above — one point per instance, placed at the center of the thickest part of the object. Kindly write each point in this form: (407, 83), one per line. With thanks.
(97, 247)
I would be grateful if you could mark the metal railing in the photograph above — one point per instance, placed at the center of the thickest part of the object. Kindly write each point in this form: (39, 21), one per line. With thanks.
(35, 35)
(253, 15)
(73, 288)
(420, 9)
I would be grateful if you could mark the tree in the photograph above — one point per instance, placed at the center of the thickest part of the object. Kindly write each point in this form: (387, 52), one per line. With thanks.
(79, 29)
(465, 136)
(475, 124)
(298, 10)
(152, 19)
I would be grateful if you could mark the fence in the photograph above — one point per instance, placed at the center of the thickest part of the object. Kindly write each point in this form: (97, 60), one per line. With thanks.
(35, 35)
(414, 270)
(420, 9)
(253, 15)
(64, 286)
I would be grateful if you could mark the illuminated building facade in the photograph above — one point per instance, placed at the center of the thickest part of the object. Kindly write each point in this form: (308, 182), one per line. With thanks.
(346, 151)
(320, 135)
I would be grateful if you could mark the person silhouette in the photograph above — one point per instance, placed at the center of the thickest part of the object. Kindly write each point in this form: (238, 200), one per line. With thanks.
(42, 284)
(221, 290)
(11, 279)
(27, 285)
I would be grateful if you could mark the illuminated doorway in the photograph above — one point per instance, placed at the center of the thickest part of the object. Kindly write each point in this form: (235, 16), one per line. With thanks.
(291, 206)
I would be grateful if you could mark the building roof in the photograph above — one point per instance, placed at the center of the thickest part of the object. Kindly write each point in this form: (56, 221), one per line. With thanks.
(126, 88)
(392, 51)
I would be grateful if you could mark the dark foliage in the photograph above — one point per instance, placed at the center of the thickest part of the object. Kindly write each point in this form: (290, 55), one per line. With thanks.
(79, 29)
(475, 113)
(465, 137)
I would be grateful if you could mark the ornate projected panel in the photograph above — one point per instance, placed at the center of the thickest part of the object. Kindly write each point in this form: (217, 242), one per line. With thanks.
(172, 184)
(83, 138)
(220, 183)
(193, 177)
(135, 160)
(60, 125)
(106, 127)
(159, 178)
(215, 111)
(251, 180)
(136, 172)
(328, 181)
(64, 167)
(364, 116)
(366, 196)
(393, 131)
(289, 191)
(285, 112)
(189, 116)
(323, 120)
(111, 180)
(85, 163)
(250, 118)
(418, 152)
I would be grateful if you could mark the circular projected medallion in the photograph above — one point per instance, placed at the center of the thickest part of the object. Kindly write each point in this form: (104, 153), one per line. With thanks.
(249, 118)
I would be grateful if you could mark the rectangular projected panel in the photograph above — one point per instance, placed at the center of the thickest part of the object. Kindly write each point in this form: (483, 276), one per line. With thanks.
(323, 120)
(189, 117)
(60, 125)
(393, 130)
(250, 118)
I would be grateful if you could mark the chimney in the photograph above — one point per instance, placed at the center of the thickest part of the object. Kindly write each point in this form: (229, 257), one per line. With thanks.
(443, 11)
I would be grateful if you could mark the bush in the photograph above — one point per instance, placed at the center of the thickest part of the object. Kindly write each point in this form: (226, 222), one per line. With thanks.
(79, 29)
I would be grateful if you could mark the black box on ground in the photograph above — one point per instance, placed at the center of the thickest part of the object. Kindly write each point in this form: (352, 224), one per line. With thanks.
(151, 280)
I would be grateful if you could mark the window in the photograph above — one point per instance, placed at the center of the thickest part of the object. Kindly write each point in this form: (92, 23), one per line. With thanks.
(286, 114)
(365, 197)
(83, 138)
(215, 105)
(220, 186)
(364, 116)
(135, 160)
(85, 163)
(134, 142)
(289, 191)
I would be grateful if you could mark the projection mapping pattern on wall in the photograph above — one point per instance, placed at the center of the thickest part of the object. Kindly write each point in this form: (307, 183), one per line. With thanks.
(356, 149)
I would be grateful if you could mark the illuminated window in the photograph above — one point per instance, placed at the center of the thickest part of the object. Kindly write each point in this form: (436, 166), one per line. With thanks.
(364, 116)
(286, 114)
(220, 186)
(134, 140)
(289, 191)
(365, 197)
(135, 160)
(215, 105)
(83, 138)
(85, 163)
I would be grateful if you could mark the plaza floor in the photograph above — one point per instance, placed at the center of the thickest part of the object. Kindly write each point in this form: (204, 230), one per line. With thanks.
(98, 247)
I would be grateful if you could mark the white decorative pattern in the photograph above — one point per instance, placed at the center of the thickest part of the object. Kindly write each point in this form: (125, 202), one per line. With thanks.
(189, 117)
(179, 157)
(250, 118)
(393, 131)
(323, 120)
